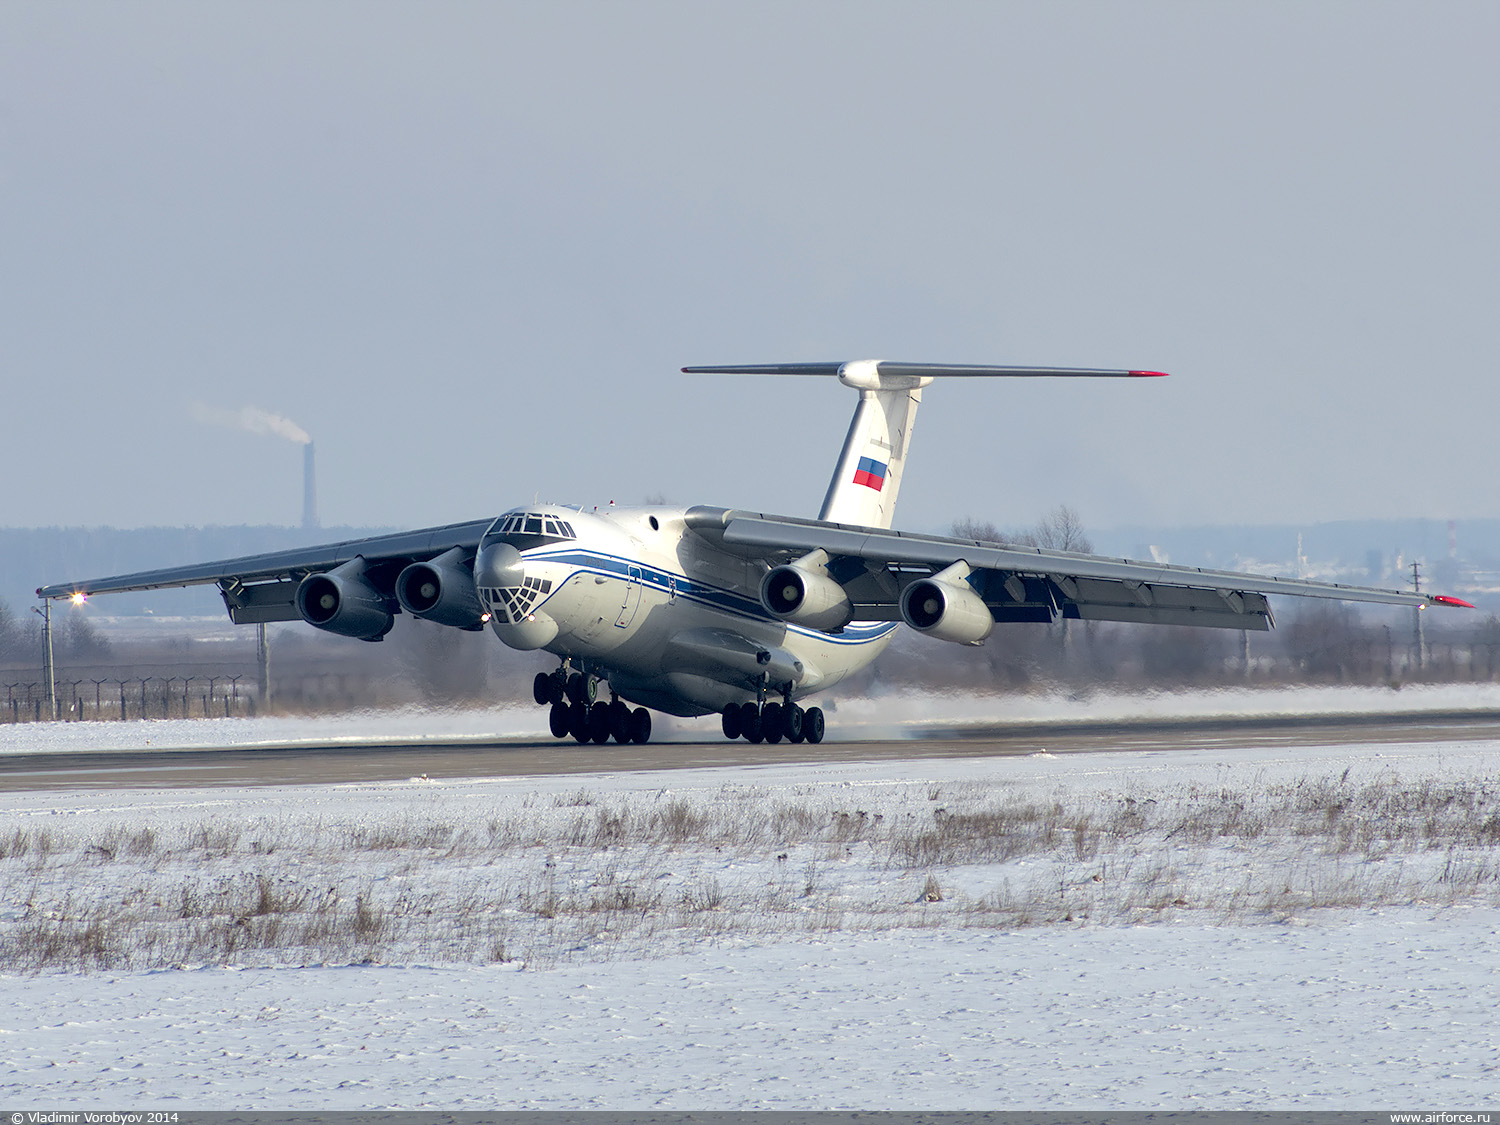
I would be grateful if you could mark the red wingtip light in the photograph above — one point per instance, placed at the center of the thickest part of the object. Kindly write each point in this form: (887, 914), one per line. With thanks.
(1444, 599)
(1149, 374)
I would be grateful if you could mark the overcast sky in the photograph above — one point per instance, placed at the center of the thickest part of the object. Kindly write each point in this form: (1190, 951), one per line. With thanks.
(467, 247)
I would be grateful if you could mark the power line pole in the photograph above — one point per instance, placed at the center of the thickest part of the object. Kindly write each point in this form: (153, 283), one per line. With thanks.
(263, 656)
(49, 667)
(1416, 584)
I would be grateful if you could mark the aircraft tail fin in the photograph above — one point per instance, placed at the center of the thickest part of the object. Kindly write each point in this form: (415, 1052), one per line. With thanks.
(867, 480)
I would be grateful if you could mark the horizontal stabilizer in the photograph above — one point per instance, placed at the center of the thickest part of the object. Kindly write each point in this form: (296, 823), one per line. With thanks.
(890, 368)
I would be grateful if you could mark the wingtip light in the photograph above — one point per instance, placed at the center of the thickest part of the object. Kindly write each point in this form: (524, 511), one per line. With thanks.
(1149, 374)
(1444, 599)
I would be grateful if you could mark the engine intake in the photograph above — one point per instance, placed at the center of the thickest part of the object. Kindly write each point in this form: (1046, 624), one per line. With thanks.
(945, 606)
(342, 601)
(441, 590)
(803, 594)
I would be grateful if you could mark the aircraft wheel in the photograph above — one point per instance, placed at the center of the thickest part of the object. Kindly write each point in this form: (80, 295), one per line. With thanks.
(578, 721)
(753, 730)
(599, 723)
(557, 688)
(812, 725)
(541, 688)
(640, 726)
(730, 721)
(792, 720)
(619, 720)
(770, 723)
(560, 720)
(749, 718)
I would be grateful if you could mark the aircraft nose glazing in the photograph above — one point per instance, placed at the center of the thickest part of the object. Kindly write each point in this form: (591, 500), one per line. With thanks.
(500, 577)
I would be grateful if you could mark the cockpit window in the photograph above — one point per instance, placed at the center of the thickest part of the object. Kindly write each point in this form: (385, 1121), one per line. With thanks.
(525, 530)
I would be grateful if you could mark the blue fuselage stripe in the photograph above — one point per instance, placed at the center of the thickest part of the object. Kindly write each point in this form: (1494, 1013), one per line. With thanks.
(715, 597)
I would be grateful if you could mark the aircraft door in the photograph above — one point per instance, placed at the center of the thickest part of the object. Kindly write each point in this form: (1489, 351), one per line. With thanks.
(632, 598)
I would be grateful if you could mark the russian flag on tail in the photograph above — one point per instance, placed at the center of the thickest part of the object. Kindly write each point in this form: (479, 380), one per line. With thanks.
(871, 473)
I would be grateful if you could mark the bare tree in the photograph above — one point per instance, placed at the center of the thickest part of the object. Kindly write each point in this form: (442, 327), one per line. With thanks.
(82, 641)
(11, 634)
(982, 530)
(446, 665)
(1062, 530)
(1059, 530)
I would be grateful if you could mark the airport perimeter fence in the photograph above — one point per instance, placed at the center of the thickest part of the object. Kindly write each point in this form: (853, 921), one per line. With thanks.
(147, 697)
(211, 691)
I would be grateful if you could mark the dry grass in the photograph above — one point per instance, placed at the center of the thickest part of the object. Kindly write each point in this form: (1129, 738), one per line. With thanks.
(595, 876)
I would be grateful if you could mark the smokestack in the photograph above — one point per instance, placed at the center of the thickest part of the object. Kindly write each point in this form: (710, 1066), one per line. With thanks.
(309, 488)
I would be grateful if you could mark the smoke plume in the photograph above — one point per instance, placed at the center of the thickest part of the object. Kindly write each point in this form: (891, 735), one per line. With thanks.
(251, 419)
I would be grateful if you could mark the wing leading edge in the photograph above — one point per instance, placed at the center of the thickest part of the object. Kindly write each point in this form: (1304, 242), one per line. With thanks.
(260, 588)
(1028, 583)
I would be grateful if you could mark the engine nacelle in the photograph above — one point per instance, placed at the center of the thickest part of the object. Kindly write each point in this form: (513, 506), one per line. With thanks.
(441, 590)
(946, 607)
(342, 601)
(802, 596)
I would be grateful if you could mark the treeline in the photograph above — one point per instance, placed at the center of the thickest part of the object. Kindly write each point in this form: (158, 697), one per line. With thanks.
(175, 674)
(1325, 643)
(74, 637)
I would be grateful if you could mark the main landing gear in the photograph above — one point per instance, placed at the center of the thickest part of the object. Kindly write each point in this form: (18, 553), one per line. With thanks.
(771, 722)
(576, 709)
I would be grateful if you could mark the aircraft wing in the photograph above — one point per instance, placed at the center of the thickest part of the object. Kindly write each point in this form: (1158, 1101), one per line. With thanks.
(259, 588)
(1025, 583)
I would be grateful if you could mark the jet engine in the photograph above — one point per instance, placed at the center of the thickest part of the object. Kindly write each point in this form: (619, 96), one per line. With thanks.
(441, 590)
(343, 601)
(945, 606)
(803, 594)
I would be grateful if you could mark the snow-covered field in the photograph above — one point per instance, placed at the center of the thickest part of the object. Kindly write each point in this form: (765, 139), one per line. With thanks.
(1211, 929)
(1387, 1009)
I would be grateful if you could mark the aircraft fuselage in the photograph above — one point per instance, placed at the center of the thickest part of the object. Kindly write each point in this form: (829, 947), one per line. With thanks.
(672, 622)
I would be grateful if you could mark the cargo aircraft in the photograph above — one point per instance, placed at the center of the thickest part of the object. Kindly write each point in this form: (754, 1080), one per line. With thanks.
(701, 610)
